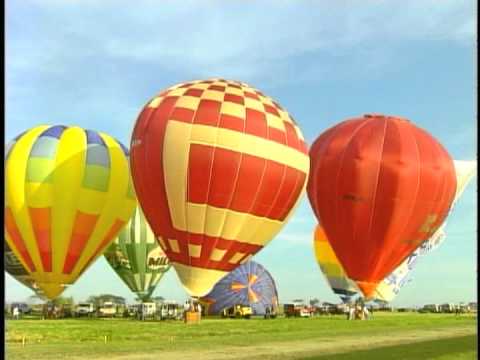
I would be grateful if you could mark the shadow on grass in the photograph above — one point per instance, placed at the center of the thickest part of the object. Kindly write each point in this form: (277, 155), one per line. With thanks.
(464, 347)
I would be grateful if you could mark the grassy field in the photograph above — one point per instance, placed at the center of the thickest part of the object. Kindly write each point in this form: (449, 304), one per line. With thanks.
(388, 336)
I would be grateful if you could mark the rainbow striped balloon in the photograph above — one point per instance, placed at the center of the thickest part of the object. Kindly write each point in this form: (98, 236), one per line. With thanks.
(68, 194)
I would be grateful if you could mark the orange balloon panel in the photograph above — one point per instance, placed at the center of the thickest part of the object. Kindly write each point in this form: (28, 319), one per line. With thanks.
(218, 167)
(379, 186)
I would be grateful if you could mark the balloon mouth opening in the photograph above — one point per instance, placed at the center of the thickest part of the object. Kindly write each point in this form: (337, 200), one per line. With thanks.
(367, 288)
(51, 290)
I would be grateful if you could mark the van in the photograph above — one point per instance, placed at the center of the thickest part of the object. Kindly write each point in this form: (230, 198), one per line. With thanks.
(447, 308)
(84, 309)
(108, 309)
(148, 309)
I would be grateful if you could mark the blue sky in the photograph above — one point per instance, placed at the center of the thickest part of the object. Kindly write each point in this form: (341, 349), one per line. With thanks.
(95, 63)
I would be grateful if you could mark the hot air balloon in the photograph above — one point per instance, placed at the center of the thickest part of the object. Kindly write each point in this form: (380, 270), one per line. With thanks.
(137, 258)
(389, 287)
(345, 287)
(15, 269)
(218, 168)
(380, 186)
(68, 194)
(249, 284)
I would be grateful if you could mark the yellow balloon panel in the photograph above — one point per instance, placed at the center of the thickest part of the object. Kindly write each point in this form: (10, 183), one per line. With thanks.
(68, 195)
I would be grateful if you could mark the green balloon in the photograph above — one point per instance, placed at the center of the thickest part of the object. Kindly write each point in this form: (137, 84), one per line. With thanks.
(137, 258)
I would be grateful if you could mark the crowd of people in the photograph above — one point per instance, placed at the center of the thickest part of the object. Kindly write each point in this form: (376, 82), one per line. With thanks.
(358, 311)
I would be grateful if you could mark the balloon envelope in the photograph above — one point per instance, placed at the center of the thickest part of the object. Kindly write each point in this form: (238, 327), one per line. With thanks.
(15, 268)
(389, 287)
(137, 258)
(218, 168)
(380, 186)
(68, 194)
(249, 284)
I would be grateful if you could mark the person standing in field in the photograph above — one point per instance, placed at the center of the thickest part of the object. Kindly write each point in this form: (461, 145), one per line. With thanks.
(366, 313)
(186, 308)
(351, 312)
(15, 313)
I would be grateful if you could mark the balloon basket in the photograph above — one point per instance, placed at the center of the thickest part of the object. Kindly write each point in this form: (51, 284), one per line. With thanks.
(192, 317)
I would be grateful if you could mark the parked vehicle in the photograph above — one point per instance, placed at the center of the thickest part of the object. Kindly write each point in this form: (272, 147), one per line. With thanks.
(85, 309)
(340, 309)
(385, 307)
(108, 309)
(147, 310)
(430, 308)
(447, 308)
(325, 309)
(66, 310)
(169, 310)
(462, 308)
(37, 309)
(121, 310)
(132, 309)
(297, 309)
(238, 311)
(473, 306)
(304, 312)
(280, 311)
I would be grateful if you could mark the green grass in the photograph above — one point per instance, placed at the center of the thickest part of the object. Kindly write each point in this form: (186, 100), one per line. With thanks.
(58, 339)
(457, 348)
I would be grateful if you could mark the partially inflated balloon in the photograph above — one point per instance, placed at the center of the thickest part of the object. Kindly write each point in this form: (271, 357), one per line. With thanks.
(218, 168)
(249, 284)
(68, 194)
(380, 186)
(137, 258)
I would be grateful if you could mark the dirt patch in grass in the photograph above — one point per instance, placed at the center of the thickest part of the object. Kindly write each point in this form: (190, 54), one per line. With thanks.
(456, 348)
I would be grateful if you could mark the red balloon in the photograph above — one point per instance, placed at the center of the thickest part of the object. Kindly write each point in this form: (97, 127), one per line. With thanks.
(380, 186)
(218, 168)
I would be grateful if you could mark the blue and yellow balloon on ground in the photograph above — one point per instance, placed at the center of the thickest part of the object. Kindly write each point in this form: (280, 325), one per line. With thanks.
(68, 194)
(250, 284)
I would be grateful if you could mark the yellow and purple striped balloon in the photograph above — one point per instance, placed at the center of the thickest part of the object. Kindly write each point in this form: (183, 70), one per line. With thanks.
(68, 194)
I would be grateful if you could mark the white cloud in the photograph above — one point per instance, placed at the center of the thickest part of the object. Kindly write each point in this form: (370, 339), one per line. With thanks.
(243, 40)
